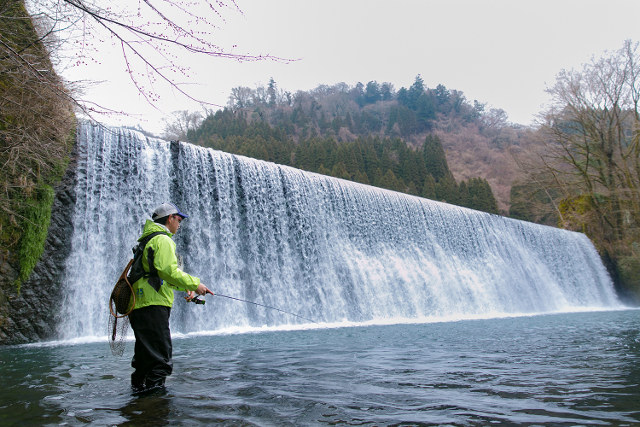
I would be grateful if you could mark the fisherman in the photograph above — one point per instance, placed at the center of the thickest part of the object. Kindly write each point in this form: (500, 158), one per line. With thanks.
(154, 299)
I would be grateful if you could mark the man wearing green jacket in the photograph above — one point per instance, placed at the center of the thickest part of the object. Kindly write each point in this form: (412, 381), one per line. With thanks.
(154, 299)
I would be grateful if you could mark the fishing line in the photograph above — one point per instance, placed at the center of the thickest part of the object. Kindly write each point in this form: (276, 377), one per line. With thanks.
(263, 305)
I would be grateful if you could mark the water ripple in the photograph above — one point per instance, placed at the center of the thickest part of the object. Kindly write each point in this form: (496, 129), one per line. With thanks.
(569, 369)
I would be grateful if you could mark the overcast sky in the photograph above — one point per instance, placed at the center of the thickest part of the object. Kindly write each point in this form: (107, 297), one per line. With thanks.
(501, 52)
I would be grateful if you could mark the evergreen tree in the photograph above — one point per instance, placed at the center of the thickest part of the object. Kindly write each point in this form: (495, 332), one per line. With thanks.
(336, 124)
(412, 189)
(435, 159)
(340, 171)
(529, 202)
(415, 92)
(429, 187)
(425, 112)
(324, 171)
(271, 92)
(357, 94)
(390, 181)
(447, 190)
(385, 162)
(348, 121)
(386, 91)
(372, 93)
(442, 96)
(463, 195)
(403, 96)
(361, 177)
(407, 120)
(323, 123)
(481, 197)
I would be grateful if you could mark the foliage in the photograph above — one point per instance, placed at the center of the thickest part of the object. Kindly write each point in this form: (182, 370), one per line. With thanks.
(590, 159)
(476, 140)
(628, 268)
(435, 159)
(384, 162)
(37, 215)
(35, 125)
(532, 203)
(345, 112)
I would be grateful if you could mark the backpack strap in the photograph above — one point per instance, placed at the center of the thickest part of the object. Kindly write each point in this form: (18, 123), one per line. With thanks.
(137, 270)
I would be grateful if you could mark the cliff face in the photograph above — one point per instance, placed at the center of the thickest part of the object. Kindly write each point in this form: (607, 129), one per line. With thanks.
(31, 314)
(36, 121)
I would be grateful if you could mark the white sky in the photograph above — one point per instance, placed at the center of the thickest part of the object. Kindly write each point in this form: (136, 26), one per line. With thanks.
(500, 52)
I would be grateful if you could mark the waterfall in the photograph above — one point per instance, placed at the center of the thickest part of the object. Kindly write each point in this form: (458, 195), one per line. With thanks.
(325, 248)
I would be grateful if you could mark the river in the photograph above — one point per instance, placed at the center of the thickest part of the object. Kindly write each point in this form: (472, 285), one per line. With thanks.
(573, 368)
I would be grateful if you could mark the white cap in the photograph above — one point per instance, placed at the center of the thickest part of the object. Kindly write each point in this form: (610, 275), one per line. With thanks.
(167, 209)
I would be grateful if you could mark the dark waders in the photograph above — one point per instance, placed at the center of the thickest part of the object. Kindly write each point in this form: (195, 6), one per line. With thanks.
(152, 353)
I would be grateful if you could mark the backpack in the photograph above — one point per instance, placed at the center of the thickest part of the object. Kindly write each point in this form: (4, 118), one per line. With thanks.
(119, 302)
(137, 271)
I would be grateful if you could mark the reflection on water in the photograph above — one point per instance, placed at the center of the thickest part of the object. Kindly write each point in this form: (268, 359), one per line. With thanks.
(153, 409)
(572, 368)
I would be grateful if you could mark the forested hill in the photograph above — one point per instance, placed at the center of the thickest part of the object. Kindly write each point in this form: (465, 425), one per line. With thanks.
(428, 142)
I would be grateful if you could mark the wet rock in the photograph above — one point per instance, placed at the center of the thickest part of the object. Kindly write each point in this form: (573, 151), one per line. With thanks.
(31, 315)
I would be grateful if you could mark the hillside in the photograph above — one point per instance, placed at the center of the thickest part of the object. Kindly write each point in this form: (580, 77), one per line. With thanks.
(477, 143)
(474, 151)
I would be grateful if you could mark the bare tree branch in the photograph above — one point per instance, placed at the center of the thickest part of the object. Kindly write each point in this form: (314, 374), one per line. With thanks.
(153, 35)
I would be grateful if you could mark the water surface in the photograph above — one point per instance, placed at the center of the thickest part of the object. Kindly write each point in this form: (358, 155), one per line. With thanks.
(581, 368)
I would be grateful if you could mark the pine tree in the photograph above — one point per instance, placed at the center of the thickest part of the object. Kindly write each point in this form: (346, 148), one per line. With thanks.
(447, 190)
(271, 92)
(481, 197)
(429, 187)
(435, 159)
(390, 181)
(372, 93)
(415, 92)
(340, 171)
(463, 195)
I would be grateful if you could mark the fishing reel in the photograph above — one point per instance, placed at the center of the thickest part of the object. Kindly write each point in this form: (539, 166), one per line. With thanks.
(196, 300)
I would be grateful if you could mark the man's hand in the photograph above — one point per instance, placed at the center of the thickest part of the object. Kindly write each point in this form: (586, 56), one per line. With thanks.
(202, 289)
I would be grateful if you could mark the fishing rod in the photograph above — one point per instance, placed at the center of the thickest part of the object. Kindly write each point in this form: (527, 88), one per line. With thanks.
(201, 301)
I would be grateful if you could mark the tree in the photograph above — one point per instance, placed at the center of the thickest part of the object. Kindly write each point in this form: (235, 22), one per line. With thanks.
(183, 122)
(495, 118)
(403, 96)
(372, 93)
(429, 187)
(480, 196)
(386, 91)
(390, 181)
(415, 92)
(447, 190)
(442, 96)
(340, 171)
(425, 112)
(435, 158)
(271, 92)
(241, 97)
(592, 150)
(531, 202)
(357, 94)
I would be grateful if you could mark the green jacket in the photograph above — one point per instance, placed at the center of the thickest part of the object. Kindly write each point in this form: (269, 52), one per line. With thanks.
(166, 264)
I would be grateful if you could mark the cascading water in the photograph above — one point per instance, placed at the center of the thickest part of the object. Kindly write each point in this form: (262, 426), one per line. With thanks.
(325, 248)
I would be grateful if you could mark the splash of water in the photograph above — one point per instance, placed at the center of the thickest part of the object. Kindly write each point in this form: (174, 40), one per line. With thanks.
(324, 248)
